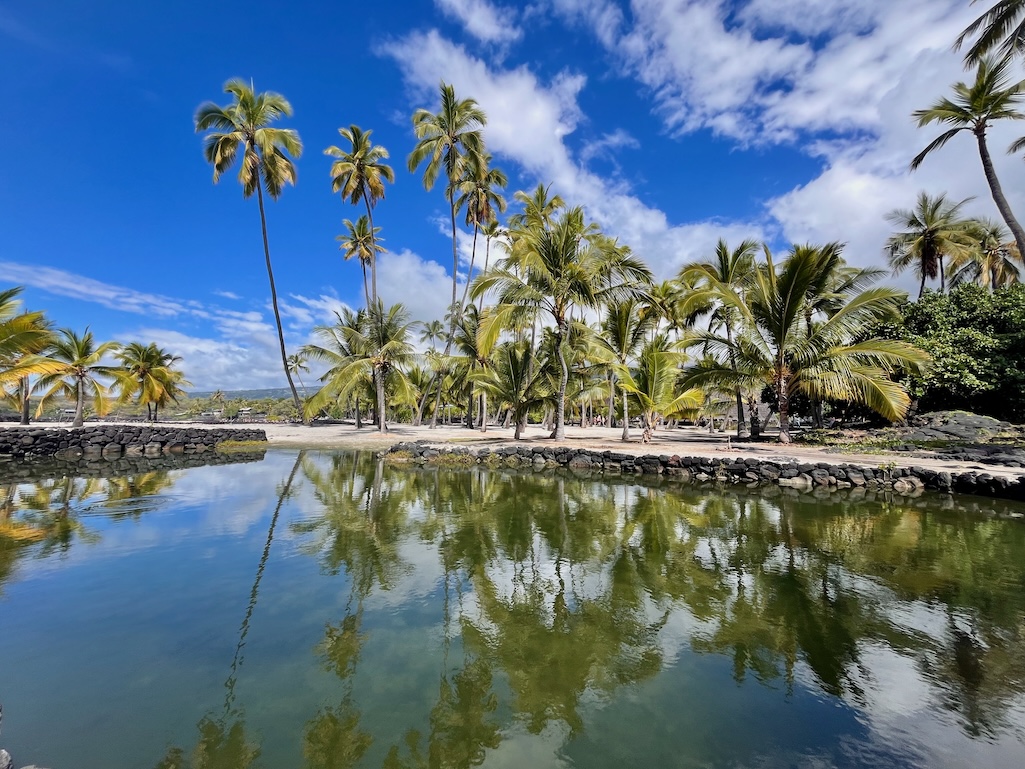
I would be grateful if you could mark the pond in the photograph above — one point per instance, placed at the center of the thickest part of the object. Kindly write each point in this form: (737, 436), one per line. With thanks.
(325, 609)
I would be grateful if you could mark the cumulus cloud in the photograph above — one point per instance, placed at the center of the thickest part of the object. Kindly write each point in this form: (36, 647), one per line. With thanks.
(486, 22)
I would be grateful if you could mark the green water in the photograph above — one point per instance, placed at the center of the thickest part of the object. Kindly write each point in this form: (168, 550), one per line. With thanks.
(323, 609)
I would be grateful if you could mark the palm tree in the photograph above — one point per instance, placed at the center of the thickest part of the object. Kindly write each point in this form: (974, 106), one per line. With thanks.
(360, 240)
(933, 230)
(478, 192)
(995, 261)
(297, 365)
(558, 269)
(654, 383)
(151, 376)
(446, 139)
(22, 335)
(245, 124)
(1002, 28)
(515, 382)
(622, 333)
(721, 283)
(76, 368)
(358, 174)
(364, 346)
(538, 209)
(991, 97)
(836, 360)
(492, 231)
(432, 331)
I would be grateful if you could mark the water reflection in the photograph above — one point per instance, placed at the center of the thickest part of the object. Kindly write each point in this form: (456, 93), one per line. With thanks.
(563, 587)
(407, 618)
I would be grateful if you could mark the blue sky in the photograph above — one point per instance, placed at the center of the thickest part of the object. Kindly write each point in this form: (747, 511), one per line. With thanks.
(672, 123)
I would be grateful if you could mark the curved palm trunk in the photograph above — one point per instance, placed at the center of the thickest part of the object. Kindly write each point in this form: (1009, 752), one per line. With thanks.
(921, 286)
(277, 313)
(79, 403)
(998, 194)
(943, 275)
(487, 258)
(455, 250)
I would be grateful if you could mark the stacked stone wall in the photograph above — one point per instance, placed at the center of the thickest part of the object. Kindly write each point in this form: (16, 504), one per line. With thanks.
(808, 476)
(116, 441)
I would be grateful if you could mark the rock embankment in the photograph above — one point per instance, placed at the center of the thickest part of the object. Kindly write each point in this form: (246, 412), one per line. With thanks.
(116, 441)
(729, 469)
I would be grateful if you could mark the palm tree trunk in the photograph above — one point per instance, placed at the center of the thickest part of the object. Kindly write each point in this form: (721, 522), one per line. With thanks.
(469, 408)
(382, 419)
(373, 246)
(359, 422)
(274, 304)
(612, 400)
(455, 249)
(783, 396)
(943, 275)
(626, 418)
(998, 194)
(483, 412)
(26, 399)
(473, 258)
(742, 429)
(921, 287)
(487, 257)
(560, 410)
(79, 403)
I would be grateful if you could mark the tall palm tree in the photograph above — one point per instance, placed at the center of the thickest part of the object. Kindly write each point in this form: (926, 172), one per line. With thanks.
(974, 107)
(538, 209)
(721, 282)
(432, 331)
(337, 345)
(22, 335)
(1001, 28)
(152, 377)
(358, 174)
(77, 369)
(478, 193)
(492, 231)
(445, 139)
(934, 229)
(245, 124)
(835, 361)
(360, 240)
(557, 270)
(623, 331)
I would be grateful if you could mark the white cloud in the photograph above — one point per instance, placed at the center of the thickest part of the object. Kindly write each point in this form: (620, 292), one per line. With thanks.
(422, 285)
(528, 122)
(484, 21)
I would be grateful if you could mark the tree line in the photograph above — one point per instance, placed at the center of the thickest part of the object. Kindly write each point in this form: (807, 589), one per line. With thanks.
(63, 365)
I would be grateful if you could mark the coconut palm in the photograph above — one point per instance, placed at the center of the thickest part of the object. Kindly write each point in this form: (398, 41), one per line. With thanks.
(993, 96)
(934, 229)
(22, 335)
(837, 360)
(364, 346)
(654, 382)
(445, 140)
(538, 209)
(994, 263)
(297, 364)
(245, 124)
(478, 193)
(76, 369)
(492, 231)
(622, 334)
(720, 283)
(557, 270)
(360, 240)
(358, 174)
(152, 378)
(432, 331)
(1001, 28)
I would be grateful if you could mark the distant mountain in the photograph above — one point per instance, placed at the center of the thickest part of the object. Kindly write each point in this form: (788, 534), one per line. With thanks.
(253, 395)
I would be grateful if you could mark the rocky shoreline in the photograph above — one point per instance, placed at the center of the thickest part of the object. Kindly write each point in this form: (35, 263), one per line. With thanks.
(783, 472)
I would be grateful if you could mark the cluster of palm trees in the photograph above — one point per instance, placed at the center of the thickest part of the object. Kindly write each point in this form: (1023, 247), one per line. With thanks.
(36, 359)
(976, 250)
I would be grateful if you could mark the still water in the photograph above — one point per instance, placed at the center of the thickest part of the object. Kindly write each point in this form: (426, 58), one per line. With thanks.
(320, 609)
